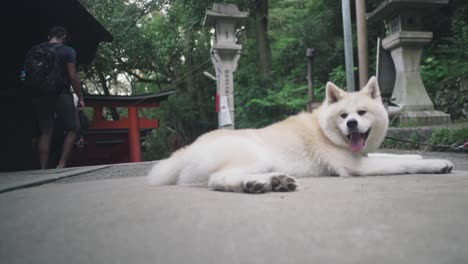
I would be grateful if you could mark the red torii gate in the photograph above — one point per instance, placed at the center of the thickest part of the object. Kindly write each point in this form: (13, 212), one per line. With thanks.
(117, 141)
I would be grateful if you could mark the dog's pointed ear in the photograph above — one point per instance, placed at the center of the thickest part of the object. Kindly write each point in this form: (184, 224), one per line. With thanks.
(372, 88)
(333, 93)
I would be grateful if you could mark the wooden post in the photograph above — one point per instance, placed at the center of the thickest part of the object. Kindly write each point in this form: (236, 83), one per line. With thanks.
(310, 54)
(134, 135)
(363, 59)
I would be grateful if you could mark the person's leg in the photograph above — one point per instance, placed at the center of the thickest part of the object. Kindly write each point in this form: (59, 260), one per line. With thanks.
(67, 148)
(44, 147)
(69, 117)
(44, 113)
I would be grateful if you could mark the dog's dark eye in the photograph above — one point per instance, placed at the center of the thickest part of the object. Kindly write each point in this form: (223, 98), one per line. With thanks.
(344, 116)
(361, 112)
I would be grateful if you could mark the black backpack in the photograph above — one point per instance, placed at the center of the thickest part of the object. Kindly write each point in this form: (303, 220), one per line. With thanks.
(43, 70)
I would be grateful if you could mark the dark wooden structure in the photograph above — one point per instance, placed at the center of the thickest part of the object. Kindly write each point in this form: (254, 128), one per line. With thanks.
(26, 23)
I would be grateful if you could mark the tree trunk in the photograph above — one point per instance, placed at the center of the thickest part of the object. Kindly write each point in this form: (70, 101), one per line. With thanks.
(263, 43)
(115, 115)
(190, 129)
(189, 62)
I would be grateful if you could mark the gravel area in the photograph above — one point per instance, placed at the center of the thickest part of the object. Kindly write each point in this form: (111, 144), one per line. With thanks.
(116, 171)
(126, 170)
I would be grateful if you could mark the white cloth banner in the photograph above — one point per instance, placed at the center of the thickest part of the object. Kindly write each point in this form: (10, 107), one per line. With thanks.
(224, 115)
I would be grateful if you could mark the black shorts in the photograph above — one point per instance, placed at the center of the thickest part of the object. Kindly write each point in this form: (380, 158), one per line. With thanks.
(58, 110)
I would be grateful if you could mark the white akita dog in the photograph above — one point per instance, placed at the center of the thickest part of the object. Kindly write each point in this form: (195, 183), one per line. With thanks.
(333, 140)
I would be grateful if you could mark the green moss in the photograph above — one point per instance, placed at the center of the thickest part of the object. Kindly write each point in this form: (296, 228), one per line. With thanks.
(449, 136)
(396, 144)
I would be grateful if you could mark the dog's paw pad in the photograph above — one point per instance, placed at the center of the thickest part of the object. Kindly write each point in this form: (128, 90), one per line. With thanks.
(255, 187)
(450, 168)
(446, 169)
(283, 183)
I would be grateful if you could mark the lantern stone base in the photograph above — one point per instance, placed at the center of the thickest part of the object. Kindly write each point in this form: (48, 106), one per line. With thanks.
(409, 92)
(423, 118)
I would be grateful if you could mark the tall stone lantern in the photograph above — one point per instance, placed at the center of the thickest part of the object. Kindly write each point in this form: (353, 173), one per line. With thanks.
(406, 41)
(225, 53)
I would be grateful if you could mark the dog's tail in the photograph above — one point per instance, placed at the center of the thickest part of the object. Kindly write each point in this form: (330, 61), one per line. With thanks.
(166, 172)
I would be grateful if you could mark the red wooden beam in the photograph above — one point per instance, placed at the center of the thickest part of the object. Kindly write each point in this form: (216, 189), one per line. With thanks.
(134, 135)
(123, 123)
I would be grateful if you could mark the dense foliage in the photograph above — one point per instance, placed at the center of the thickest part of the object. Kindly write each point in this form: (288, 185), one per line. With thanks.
(445, 64)
(161, 44)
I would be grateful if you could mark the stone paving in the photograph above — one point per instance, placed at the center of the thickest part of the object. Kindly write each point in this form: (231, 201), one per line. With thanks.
(10, 181)
(110, 215)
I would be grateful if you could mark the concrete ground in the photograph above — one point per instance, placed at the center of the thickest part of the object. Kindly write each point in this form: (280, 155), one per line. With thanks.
(110, 215)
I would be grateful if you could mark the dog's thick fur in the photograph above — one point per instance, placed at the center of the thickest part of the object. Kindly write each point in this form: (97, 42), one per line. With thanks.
(334, 140)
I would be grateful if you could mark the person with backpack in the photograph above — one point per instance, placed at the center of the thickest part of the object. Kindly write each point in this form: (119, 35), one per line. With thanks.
(50, 68)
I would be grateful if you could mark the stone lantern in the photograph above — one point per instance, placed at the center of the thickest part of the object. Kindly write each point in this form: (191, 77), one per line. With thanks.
(406, 41)
(225, 53)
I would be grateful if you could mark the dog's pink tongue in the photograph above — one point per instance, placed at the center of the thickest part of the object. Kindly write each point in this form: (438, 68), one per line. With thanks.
(357, 142)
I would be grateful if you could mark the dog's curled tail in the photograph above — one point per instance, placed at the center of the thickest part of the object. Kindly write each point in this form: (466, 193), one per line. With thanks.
(165, 172)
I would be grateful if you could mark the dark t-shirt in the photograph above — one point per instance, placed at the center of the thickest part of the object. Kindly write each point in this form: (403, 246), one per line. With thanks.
(66, 55)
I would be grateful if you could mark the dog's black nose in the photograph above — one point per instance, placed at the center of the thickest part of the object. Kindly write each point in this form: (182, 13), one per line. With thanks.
(351, 123)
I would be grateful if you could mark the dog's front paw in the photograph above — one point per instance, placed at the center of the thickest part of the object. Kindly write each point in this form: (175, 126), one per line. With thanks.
(283, 183)
(435, 166)
(445, 167)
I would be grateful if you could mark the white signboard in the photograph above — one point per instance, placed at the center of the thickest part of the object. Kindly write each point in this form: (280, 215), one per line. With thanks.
(224, 116)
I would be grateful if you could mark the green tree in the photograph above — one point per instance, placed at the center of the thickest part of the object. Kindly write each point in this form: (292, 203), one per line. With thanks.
(163, 44)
